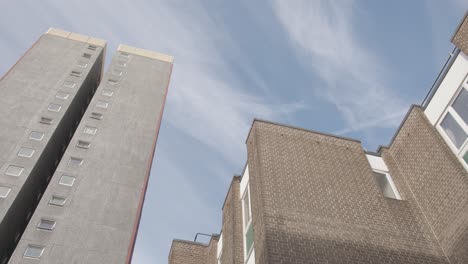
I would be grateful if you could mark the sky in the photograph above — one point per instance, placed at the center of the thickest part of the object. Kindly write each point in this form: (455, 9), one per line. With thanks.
(351, 68)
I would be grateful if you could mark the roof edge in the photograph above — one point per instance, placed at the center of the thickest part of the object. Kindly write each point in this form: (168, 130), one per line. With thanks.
(77, 37)
(299, 128)
(146, 53)
(459, 26)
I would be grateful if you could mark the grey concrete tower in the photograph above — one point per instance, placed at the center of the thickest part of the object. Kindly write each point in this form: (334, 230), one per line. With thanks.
(44, 96)
(91, 208)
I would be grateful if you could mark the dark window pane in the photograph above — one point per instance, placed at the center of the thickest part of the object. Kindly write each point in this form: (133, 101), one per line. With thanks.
(461, 105)
(453, 130)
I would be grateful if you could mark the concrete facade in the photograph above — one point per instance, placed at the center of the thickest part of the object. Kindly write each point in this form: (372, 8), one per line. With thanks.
(103, 175)
(30, 92)
(320, 198)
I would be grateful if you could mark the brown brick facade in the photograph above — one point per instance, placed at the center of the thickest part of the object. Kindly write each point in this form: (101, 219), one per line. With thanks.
(315, 200)
(436, 179)
(460, 39)
(184, 252)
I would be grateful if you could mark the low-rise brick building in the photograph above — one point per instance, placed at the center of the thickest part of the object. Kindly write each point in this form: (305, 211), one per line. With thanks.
(309, 197)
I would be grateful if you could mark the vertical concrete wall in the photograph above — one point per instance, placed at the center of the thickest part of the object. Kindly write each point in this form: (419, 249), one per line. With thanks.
(99, 219)
(436, 180)
(27, 90)
(314, 197)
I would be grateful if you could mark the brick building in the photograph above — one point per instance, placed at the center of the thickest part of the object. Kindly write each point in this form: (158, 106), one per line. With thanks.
(309, 197)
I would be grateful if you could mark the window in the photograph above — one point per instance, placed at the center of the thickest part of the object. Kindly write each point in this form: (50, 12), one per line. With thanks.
(46, 224)
(82, 64)
(69, 84)
(54, 107)
(385, 182)
(57, 200)
(112, 81)
(76, 162)
(92, 47)
(90, 130)
(108, 93)
(4, 191)
(121, 63)
(14, 170)
(67, 180)
(46, 120)
(102, 104)
(125, 54)
(33, 251)
(117, 72)
(75, 73)
(62, 95)
(36, 135)
(86, 55)
(97, 116)
(26, 152)
(454, 125)
(83, 144)
(248, 226)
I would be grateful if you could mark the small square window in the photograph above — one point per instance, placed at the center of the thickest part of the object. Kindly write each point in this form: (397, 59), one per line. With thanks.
(46, 120)
(112, 81)
(86, 55)
(82, 64)
(92, 47)
(76, 73)
(33, 251)
(117, 72)
(14, 170)
(4, 191)
(62, 95)
(69, 84)
(36, 135)
(76, 162)
(122, 63)
(97, 116)
(108, 93)
(46, 224)
(90, 130)
(57, 200)
(386, 185)
(54, 107)
(83, 144)
(102, 104)
(67, 180)
(26, 152)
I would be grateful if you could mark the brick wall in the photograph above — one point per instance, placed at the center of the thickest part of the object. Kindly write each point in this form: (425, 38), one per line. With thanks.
(460, 39)
(314, 199)
(232, 252)
(436, 179)
(183, 252)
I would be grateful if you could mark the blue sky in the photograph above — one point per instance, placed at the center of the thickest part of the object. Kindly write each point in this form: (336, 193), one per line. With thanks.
(347, 67)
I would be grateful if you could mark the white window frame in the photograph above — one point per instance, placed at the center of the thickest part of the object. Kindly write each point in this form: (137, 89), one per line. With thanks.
(390, 181)
(459, 152)
(245, 225)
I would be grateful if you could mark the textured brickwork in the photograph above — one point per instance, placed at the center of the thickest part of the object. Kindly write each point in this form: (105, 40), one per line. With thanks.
(460, 39)
(183, 252)
(315, 200)
(436, 179)
(232, 252)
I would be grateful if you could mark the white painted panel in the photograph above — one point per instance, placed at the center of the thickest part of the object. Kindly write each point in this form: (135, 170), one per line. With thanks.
(244, 181)
(447, 89)
(220, 246)
(251, 259)
(377, 163)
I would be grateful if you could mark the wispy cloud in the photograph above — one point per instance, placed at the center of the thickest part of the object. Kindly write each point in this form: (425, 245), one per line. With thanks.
(354, 77)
